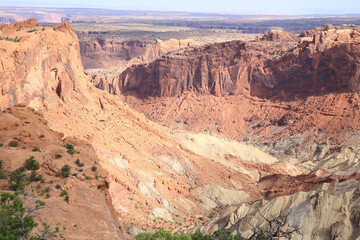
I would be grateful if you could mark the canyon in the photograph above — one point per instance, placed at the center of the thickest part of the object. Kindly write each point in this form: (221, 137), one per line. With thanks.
(190, 138)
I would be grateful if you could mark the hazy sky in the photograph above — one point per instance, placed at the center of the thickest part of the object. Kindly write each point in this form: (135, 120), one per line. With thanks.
(228, 6)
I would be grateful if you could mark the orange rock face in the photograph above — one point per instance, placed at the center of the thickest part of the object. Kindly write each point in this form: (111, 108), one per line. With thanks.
(325, 64)
(308, 90)
(43, 63)
(279, 36)
(218, 69)
(99, 53)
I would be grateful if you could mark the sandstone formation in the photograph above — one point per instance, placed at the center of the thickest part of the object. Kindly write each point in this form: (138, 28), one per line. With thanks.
(259, 69)
(278, 36)
(44, 63)
(218, 69)
(100, 53)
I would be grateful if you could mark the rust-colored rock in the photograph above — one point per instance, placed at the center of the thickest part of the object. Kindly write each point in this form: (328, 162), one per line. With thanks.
(109, 54)
(325, 64)
(218, 69)
(18, 26)
(45, 63)
(279, 36)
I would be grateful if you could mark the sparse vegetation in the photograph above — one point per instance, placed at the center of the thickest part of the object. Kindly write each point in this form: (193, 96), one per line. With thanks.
(93, 168)
(80, 164)
(1, 144)
(17, 180)
(32, 164)
(275, 228)
(65, 171)
(42, 136)
(3, 175)
(71, 151)
(36, 149)
(10, 39)
(34, 176)
(17, 220)
(63, 193)
(13, 144)
(58, 156)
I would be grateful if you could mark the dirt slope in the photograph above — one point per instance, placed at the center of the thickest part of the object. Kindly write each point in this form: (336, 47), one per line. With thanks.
(89, 213)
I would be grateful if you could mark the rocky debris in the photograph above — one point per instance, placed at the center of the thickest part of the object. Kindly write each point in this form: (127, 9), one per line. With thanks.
(89, 213)
(279, 36)
(326, 212)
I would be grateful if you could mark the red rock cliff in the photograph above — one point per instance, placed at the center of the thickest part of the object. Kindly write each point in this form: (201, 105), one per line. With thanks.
(327, 63)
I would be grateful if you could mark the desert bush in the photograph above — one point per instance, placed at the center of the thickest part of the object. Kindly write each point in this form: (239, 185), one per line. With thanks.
(63, 193)
(13, 144)
(34, 176)
(32, 164)
(36, 149)
(17, 180)
(58, 156)
(17, 220)
(3, 175)
(71, 151)
(65, 171)
(80, 164)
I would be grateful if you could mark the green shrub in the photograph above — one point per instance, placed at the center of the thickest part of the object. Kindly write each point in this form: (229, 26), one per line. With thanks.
(32, 164)
(65, 171)
(69, 146)
(36, 149)
(3, 175)
(13, 144)
(71, 151)
(58, 156)
(67, 198)
(34, 176)
(63, 193)
(17, 180)
(80, 164)
(1, 165)
(17, 220)
(93, 168)
(1, 144)
(42, 136)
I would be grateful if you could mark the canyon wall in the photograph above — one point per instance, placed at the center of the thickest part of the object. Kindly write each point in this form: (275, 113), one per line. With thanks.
(326, 63)
(100, 53)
